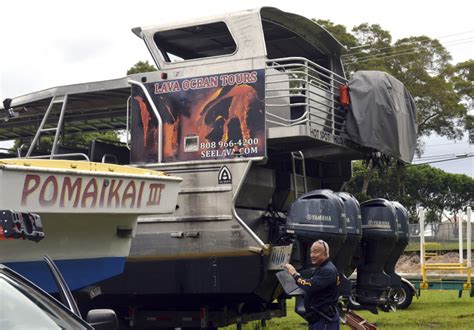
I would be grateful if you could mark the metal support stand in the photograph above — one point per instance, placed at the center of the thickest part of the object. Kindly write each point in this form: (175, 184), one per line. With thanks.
(463, 267)
(355, 321)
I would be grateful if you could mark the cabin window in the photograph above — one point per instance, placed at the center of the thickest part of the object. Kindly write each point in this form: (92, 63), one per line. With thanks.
(282, 42)
(195, 42)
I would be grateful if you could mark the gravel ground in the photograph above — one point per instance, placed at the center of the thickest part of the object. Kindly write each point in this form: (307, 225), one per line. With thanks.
(410, 262)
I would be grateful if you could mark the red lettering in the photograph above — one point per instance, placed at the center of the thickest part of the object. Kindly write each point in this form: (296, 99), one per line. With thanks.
(105, 183)
(54, 195)
(155, 194)
(90, 191)
(140, 192)
(113, 193)
(70, 189)
(27, 190)
(129, 194)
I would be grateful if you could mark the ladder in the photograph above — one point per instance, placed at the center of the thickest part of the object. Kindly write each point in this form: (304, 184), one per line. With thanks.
(357, 322)
(62, 100)
(299, 173)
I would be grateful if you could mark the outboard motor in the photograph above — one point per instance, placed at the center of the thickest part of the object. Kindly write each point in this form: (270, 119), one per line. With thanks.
(379, 236)
(317, 215)
(402, 242)
(350, 251)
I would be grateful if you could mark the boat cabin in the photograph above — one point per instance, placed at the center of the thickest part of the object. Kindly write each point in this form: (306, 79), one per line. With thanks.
(241, 85)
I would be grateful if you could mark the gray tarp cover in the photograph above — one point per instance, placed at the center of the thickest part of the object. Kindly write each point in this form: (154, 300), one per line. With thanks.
(382, 115)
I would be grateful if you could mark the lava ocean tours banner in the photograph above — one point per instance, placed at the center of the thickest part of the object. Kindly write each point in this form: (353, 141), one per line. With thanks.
(209, 117)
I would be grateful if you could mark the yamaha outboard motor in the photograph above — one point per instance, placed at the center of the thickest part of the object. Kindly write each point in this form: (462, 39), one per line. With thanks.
(402, 242)
(344, 260)
(317, 215)
(379, 236)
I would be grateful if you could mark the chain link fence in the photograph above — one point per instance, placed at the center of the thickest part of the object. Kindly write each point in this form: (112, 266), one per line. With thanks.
(439, 232)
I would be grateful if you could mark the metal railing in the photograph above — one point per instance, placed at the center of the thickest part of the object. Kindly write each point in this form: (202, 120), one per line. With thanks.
(301, 92)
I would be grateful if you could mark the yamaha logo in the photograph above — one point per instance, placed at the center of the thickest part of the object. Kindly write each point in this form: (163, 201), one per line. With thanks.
(317, 217)
(224, 176)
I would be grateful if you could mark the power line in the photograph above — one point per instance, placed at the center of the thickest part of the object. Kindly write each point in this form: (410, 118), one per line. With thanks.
(380, 48)
(455, 34)
(406, 43)
(350, 58)
(418, 164)
(398, 53)
(444, 160)
(436, 156)
(460, 143)
(414, 49)
(381, 56)
(417, 42)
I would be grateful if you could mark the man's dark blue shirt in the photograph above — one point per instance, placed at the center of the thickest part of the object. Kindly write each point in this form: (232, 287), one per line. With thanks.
(322, 288)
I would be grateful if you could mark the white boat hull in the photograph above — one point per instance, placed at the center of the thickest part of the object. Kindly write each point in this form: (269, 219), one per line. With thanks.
(89, 216)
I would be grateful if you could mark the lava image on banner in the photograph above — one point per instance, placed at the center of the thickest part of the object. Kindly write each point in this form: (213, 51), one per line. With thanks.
(209, 117)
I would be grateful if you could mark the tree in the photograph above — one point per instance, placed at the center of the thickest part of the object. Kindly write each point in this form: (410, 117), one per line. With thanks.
(425, 71)
(413, 186)
(462, 77)
(80, 140)
(141, 67)
(340, 32)
(442, 92)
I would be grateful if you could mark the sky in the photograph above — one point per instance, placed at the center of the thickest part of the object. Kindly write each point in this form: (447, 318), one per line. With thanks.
(50, 43)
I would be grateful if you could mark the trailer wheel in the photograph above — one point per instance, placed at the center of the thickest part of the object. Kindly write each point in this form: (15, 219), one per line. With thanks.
(405, 296)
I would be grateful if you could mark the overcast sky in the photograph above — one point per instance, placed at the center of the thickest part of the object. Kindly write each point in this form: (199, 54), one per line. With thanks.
(48, 43)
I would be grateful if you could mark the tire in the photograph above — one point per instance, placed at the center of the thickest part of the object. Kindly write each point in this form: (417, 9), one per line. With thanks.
(405, 296)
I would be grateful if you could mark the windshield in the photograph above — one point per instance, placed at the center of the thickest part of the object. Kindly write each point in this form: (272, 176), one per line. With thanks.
(194, 42)
(23, 308)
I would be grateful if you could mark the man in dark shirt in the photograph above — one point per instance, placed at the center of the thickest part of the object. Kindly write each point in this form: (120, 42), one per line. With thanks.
(321, 289)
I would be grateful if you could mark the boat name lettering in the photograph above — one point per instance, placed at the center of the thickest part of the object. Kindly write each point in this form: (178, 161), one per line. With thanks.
(80, 192)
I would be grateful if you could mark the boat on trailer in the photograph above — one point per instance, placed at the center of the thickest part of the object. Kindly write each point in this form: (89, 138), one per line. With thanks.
(88, 212)
(251, 110)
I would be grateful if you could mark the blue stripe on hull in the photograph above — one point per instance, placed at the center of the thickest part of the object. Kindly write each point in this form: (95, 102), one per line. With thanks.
(78, 273)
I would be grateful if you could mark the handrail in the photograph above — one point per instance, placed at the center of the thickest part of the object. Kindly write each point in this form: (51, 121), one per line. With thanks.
(157, 115)
(105, 156)
(127, 128)
(54, 147)
(61, 156)
(234, 211)
(301, 92)
(38, 132)
(296, 58)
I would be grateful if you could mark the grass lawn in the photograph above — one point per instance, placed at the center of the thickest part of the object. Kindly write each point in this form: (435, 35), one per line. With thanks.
(433, 310)
(444, 246)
